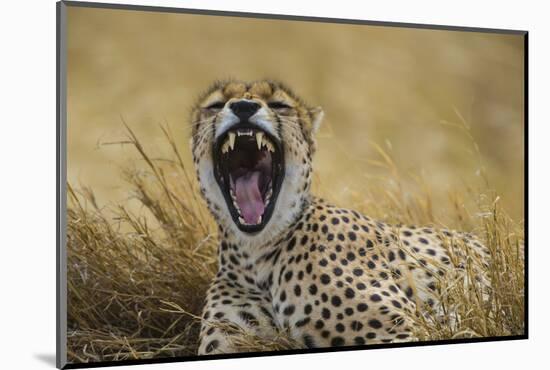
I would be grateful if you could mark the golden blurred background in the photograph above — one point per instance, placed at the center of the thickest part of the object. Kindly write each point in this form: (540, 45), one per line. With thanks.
(404, 89)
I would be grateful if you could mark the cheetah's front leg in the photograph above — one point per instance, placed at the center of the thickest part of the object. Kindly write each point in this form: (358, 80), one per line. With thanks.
(231, 313)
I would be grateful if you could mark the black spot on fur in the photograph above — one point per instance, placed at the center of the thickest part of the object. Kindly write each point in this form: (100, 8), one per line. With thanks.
(212, 346)
(375, 324)
(325, 279)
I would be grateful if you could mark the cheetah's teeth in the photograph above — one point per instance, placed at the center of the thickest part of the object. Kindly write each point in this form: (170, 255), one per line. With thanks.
(259, 139)
(225, 147)
(237, 207)
(269, 146)
(242, 221)
(232, 140)
(244, 133)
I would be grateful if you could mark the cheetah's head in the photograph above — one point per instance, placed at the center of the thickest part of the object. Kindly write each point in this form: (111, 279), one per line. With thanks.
(252, 147)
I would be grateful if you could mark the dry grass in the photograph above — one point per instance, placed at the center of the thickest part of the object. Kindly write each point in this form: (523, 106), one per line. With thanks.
(470, 310)
(136, 287)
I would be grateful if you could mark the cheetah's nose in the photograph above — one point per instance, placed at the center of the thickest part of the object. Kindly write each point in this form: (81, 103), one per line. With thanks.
(244, 109)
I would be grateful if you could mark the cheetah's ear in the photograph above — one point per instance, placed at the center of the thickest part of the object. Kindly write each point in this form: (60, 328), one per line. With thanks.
(317, 115)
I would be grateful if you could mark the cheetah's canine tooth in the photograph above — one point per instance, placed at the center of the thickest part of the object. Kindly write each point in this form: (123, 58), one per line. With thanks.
(232, 140)
(259, 139)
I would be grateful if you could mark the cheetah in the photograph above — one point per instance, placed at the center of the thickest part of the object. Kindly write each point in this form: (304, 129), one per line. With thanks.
(289, 261)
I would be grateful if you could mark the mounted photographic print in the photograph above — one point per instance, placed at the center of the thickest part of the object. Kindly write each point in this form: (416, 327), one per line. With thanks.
(234, 184)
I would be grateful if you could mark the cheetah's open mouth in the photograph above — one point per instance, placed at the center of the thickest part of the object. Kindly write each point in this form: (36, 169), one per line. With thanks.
(249, 169)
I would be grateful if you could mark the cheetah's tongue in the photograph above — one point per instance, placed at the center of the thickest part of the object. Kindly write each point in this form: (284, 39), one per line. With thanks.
(249, 197)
